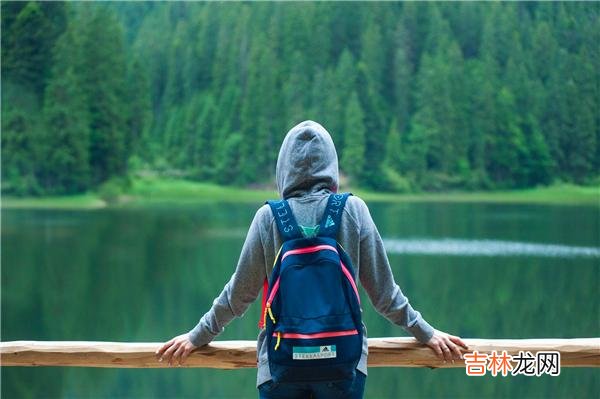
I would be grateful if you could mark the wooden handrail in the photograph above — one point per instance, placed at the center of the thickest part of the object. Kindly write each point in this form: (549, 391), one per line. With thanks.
(383, 352)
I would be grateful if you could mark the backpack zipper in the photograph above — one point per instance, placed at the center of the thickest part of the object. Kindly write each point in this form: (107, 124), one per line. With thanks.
(327, 334)
(310, 250)
(307, 250)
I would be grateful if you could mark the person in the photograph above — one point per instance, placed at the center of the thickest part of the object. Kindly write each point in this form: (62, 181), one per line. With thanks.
(306, 174)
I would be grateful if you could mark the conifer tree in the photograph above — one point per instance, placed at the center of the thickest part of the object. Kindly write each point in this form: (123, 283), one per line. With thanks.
(579, 131)
(403, 87)
(226, 117)
(258, 116)
(175, 137)
(176, 90)
(371, 69)
(481, 89)
(104, 83)
(27, 55)
(66, 136)
(353, 160)
(20, 151)
(393, 148)
(345, 81)
(199, 136)
(139, 118)
(507, 149)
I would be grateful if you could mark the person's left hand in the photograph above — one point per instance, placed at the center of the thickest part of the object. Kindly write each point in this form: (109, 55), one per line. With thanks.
(176, 350)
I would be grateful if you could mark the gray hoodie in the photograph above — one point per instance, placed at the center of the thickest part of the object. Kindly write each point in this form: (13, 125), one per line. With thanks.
(307, 172)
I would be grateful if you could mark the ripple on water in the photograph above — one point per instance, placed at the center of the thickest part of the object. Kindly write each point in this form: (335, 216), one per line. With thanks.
(459, 247)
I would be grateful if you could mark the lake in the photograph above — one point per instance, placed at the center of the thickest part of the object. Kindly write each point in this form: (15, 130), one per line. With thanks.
(147, 274)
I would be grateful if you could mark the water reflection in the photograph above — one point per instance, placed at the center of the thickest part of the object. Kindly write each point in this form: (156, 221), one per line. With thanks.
(458, 247)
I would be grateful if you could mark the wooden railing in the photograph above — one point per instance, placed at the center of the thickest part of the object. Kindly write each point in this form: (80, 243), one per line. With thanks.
(383, 352)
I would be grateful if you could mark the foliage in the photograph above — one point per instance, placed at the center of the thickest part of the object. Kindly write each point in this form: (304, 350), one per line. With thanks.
(111, 190)
(417, 96)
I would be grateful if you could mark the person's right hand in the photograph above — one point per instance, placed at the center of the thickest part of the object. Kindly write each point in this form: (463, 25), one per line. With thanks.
(446, 346)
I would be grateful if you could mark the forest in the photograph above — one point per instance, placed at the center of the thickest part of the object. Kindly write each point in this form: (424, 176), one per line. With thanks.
(417, 96)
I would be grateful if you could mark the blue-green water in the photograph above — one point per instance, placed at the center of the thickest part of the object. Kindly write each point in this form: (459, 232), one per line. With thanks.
(147, 274)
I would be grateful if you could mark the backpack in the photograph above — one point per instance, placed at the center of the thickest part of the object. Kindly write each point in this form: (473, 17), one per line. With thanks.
(311, 310)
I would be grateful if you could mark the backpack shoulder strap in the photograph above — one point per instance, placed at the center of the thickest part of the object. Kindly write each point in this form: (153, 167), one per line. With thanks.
(332, 217)
(286, 222)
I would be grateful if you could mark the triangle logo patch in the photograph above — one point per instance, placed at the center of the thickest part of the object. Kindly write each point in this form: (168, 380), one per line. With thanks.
(329, 222)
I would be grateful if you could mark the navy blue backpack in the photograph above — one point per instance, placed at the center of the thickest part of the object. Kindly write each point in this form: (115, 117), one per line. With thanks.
(311, 310)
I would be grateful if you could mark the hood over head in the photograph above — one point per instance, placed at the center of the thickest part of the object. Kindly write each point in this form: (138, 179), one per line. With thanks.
(307, 161)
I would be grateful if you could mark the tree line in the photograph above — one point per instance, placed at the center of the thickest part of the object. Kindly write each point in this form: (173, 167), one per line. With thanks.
(417, 96)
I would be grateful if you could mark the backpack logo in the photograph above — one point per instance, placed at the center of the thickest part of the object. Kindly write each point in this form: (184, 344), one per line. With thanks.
(314, 352)
(329, 222)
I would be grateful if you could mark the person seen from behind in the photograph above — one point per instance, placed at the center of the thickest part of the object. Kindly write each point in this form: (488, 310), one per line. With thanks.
(307, 175)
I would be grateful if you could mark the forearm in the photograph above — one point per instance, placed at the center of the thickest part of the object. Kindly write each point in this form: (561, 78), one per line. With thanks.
(214, 321)
(241, 290)
(377, 278)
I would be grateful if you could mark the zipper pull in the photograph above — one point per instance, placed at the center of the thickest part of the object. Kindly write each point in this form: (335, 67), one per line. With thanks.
(278, 340)
(270, 313)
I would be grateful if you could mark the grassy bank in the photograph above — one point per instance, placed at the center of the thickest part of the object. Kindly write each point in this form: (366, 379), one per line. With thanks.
(82, 201)
(563, 194)
(148, 191)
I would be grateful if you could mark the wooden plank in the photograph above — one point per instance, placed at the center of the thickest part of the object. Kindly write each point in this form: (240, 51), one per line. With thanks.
(407, 352)
(383, 352)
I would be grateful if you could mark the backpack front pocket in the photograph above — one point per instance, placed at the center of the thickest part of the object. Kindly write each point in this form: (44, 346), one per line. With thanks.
(323, 356)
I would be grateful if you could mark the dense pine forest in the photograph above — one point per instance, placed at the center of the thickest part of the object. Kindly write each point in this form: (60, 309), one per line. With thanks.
(417, 96)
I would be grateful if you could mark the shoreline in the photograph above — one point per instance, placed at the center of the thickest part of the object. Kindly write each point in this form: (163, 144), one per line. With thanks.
(147, 192)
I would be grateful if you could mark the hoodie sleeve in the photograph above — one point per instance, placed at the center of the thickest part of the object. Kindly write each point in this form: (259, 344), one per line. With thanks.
(241, 290)
(377, 279)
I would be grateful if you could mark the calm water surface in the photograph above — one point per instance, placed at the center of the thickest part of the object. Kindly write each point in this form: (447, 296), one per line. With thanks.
(476, 270)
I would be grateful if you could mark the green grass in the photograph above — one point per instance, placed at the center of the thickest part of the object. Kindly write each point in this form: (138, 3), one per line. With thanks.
(148, 190)
(153, 190)
(81, 201)
(563, 194)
